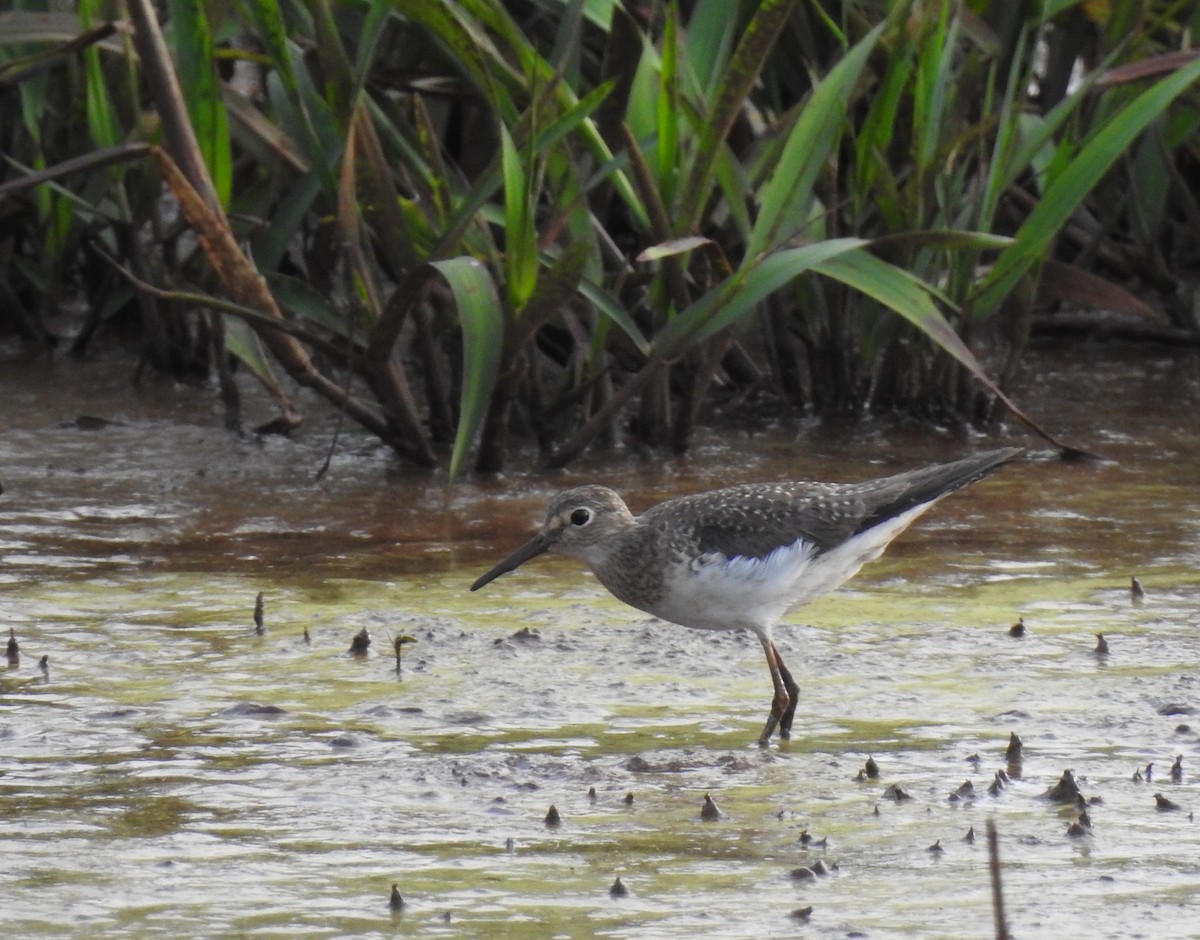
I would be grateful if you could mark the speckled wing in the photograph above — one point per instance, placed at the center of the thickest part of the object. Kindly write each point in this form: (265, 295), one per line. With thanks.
(753, 520)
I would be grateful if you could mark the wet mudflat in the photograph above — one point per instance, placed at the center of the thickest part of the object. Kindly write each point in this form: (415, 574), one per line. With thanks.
(173, 773)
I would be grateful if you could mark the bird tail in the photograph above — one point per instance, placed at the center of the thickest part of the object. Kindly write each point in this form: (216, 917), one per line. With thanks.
(918, 487)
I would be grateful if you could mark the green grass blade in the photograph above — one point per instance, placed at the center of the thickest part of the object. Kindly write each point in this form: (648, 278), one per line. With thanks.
(666, 149)
(303, 300)
(272, 33)
(935, 71)
(736, 83)
(568, 43)
(472, 30)
(469, 50)
(904, 293)
(1064, 194)
(102, 118)
(244, 344)
(736, 297)
(193, 48)
(786, 195)
(612, 308)
(374, 29)
(491, 180)
(879, 127)
(908, 296)
(482, 321)
(708, 41)
(294, 99)
(640, 111)
(520, 235)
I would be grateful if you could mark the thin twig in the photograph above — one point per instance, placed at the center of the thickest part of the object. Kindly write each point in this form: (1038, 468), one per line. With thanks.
(253, 317)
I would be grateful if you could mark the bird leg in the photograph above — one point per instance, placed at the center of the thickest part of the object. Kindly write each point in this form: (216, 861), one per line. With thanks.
(782, 707)
(793, 691)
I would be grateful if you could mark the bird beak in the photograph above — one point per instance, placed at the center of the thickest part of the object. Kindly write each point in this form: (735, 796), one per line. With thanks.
(537, 545)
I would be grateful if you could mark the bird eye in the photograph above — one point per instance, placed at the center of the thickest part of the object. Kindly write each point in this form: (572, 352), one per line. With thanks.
(581, 516)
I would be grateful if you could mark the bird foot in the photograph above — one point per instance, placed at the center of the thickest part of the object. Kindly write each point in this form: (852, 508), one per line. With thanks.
(783, 709)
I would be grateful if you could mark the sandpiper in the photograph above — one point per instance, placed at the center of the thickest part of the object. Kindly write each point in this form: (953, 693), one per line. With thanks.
(743, 556)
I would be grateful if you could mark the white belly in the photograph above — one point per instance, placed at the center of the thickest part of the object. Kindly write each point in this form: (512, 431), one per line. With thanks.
(719, 593)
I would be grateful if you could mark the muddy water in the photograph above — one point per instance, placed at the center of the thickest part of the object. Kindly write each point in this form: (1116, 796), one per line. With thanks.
(174, 774)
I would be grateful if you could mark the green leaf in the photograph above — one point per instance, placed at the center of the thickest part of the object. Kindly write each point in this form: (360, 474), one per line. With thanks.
(737, 296)
(374, 28)
(488, 182)
(299, 297)
(243, 343)
(937, 64)
(471, 30)
(1064, 194)
(102, 118)
(612, 309)
(666, 150)
(303, 114)
(482, 321)
(193, 48)
(708, 40)
(733, 85)
(555, 289)
(879, 127)
(675, 246)
(462, 40)
(520, 235)
(568, 43)
(272, 33)
(785, 197)
(904, 293)
(910, 297)
(640, 109)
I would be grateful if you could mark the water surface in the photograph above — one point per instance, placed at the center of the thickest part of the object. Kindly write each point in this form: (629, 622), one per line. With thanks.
(174, 774)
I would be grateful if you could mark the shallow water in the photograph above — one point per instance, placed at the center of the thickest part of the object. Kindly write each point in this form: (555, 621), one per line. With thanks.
(173, 774)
